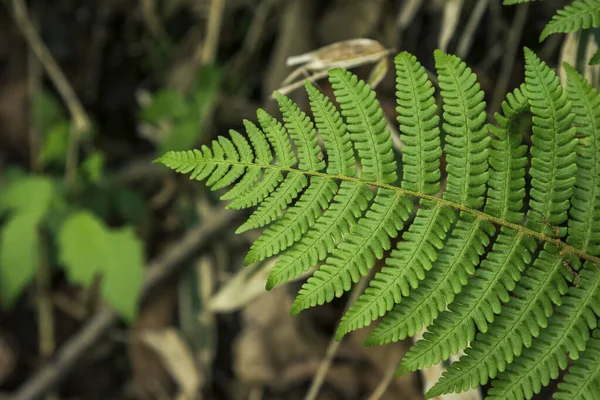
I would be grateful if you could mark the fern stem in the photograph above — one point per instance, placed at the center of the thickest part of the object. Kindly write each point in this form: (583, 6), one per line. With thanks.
(539, 236)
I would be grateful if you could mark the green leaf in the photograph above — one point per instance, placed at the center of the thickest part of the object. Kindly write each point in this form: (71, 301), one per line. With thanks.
(56, 142)
(30, 195)
(181, 136)
(47, 111)
(595, 58)
(18, 256)
(92, 167)
(166, 104)
(87, 247)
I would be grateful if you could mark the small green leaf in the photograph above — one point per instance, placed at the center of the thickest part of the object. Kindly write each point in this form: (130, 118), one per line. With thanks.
(166, 104)
(92, 167)
(47, 111)
(182, 136)
(29, 195)
(595, 58)
(87, 247)
(18, 256)
(56, 142)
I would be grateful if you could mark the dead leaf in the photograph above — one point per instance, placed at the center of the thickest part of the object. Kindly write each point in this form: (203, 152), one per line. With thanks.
(177, 359)
(450, 22)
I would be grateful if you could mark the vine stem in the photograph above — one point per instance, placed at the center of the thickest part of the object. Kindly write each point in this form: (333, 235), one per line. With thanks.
(565, 248)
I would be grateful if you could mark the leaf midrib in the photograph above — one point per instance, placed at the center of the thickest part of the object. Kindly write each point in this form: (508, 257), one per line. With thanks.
(539, 236)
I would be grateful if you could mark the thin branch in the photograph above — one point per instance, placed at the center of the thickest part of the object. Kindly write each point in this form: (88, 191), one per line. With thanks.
(78, 114)
(213, 30)
(81, 121)
(333, 347)
(163, 266)
(388, 377)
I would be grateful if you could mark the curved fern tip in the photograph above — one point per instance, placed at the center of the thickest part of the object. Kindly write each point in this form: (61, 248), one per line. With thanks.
(270, 284)
(295, 310)
(250, 258)
(164, 158)
(243, 228)
(401, 370)
(528, 52)
(431, 393)
(340, 333)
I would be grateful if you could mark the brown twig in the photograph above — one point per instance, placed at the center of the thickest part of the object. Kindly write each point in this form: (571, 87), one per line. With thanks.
(78, 114)
(159, 269)
(213, 30)
(388, 377)
(333, 346)
(81, 121)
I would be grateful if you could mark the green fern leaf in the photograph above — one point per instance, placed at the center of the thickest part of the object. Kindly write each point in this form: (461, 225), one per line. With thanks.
(595, 60)
(581, 14)
(337, 220)
(509, 295)
(552, 178)
(498, 272)
(583, 379)
(367, 241)
(552, 184)
(584, 224)
(567, 332)
(367, 126)
(514, 329)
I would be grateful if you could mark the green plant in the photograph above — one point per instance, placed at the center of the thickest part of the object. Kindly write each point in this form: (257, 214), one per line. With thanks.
(581, 14)
(493, 265)
(48, 224)
(180, 119)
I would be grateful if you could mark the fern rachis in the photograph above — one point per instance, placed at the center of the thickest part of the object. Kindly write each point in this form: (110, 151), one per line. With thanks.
(324, 210)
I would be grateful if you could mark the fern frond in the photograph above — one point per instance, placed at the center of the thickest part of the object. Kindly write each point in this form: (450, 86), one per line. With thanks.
(511, 296)
(498, 272)
(583, 379)
(297, 220)
(466, 149)
(567, 332)
(331, 126)
(581, 14)
(419, 126)
(449, 274)
(584, 224)
(367, 126)
(466, 146)
(367, 241)
(553, 152)
(417, 115)
(517, 325)
(348, 205)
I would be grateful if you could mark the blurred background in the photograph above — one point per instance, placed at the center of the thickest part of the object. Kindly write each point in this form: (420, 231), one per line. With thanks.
(122, 280)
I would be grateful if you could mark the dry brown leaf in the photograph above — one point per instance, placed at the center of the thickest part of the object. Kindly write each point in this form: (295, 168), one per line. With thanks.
(246, 285)
(272, 349)
(450, 22)
(177, 359)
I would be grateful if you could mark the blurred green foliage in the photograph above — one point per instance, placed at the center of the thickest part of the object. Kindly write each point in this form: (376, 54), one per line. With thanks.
(183, 116)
